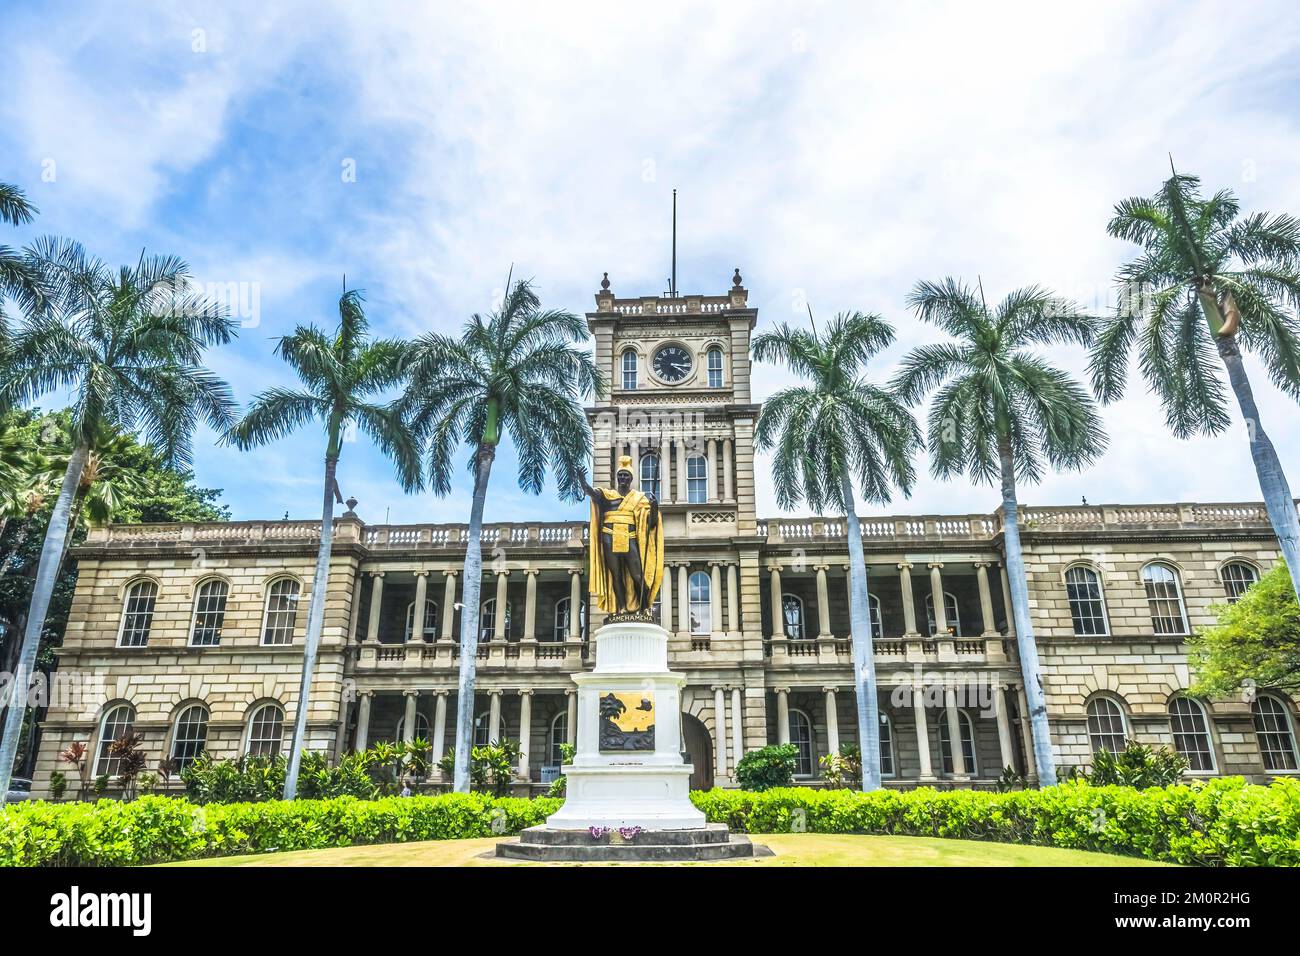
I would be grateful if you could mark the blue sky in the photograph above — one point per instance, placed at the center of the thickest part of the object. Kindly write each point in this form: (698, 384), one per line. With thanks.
(835, 153)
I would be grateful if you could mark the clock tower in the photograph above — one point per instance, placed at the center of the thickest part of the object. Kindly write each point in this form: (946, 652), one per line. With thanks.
(679, 405)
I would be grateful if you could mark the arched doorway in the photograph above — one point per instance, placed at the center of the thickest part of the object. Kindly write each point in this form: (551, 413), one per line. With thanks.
(699, 747)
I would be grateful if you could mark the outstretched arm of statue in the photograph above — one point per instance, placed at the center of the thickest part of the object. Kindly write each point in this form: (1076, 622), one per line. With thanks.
(580, 478)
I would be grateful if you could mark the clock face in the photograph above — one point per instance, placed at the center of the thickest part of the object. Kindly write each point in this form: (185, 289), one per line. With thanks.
(672, 363)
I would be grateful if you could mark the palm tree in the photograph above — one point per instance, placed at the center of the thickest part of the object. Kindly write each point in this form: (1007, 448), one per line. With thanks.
(344, 373)
(1209, 279)
(128, 344)
(17, 277)
(514, 372)
(1000, 413)
(828, 434)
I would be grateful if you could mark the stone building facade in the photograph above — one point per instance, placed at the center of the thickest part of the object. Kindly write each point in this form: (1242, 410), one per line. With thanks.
(192, 634)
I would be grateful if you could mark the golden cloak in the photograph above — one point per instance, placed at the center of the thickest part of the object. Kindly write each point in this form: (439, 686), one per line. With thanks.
(637, 504)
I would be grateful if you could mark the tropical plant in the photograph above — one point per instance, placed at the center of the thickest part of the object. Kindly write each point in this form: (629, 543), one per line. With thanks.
(344, 373)
(1255, 640)
(837, 430)
(129, 346)
(1209, 279)
(516, 372)
(1002, 413)
(128, 751)
(766, 767)
(1137, 765)
(18, 278)
(417, 757)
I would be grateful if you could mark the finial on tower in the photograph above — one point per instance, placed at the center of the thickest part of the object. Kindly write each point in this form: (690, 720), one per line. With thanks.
(604, 283)
(735, 279)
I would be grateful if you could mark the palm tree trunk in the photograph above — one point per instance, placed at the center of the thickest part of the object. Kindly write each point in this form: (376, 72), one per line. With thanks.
(1272, 479)
(864, 657)
(47, 573)
(473, 576)
(315, 624)
(1028, 649)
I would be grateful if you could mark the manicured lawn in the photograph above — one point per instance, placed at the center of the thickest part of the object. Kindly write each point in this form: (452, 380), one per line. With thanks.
(802, 849)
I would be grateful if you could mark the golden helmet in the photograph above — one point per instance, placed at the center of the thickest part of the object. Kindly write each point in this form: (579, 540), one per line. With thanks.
(625, 463)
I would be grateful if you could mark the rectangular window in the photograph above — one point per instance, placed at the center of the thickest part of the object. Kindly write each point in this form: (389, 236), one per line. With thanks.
(137, 614)
(1087, 612)
(281, 612)
(697, 480)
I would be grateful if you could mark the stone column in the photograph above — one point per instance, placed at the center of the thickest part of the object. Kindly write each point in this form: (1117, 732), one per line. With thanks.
(737, 727)
(525, 731)
(728, 471)
(715, 598)
(408, 719)
(571, 722)
(1006, 603)
(783, 715)
(363, 721)
(733, 599)
(909, 600)
(922, 733)
(832, 721)
(530, 604)
(986, 599)
(710, 470)
(494, 716)
(823, 603)
(666, 620)
(666, 472)
(417, 612)
(681, 470)
(499, 622)
(684, 599)
(439, 725)
(1005, 747)
(575, 604)
(778, 618)
(376, 603)
(954, 734)
(719, 731)
(448, 603)
(936, 597)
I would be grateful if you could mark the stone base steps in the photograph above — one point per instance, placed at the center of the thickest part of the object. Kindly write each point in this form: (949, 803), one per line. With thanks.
(710, 843)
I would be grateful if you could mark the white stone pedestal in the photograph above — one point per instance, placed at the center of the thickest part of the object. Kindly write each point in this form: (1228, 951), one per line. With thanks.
(629, 788)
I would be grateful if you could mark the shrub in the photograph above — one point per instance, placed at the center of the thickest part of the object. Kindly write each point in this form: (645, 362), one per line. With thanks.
(767, 767)
(156, 829)
(843, 769)
(1137, 766)
(1224, 822)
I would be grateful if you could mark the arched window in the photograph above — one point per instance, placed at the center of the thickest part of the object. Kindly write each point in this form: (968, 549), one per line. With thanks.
(697, 480)
(629, 369)
(487, 621)
(877, 625)
(1106, 728)
(1191, 734)
(281, 611)
(792, 612)
(137, 614)
(1237, 577)
(421, 727)
(1273, 730)
(118, 722)
(1087, 606)
(191, 736)
(1165, 599)
(209, 613)
(801, 735)
(887, 768)
(561, 631)
(559, 736)
(701, 604)
(266, 730)
(650, 474)
(430, 620)
(949, 610)
(481, 727)
(715, 367)
(968, 756)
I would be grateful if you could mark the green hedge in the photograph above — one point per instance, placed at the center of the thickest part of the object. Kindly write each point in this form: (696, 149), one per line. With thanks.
(1218, 823)
(161, 829)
